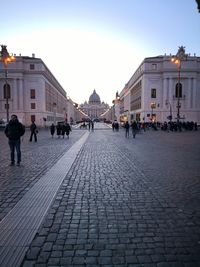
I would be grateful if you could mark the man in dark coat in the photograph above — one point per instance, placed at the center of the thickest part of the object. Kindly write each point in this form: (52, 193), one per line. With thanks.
(14, 130)
(67, 129)
(33, 129)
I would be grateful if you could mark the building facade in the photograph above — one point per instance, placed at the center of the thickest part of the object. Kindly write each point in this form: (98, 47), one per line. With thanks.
(158, 87)
(33, 93)
(94, 108)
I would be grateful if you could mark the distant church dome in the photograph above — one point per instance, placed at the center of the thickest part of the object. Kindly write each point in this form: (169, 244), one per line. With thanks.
(94, 98)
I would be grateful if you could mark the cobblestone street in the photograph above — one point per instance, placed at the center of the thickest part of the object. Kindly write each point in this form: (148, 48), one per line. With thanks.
(123, 202)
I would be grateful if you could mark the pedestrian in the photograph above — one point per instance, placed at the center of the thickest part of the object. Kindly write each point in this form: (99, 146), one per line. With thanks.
(34, 132)
(113, 126)
(126, 126)
(134, 128)
(52, 129)
(63, 130)
(117, 126)
(92, 125)
(58, 129)
(67, 129)
(89, 125)
(14, 130)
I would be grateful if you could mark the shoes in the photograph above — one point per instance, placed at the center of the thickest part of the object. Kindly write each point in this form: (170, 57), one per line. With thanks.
(18, 163)
(12, 164)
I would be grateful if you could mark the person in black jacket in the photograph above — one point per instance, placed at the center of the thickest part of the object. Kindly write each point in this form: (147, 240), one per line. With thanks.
(33, 129)
(14, 130)
(67, 129)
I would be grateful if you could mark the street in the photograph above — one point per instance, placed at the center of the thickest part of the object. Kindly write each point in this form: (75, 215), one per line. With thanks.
(119, 202)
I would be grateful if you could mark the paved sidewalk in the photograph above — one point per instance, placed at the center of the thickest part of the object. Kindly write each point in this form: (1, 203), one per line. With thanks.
(37, 158)
(125, 202)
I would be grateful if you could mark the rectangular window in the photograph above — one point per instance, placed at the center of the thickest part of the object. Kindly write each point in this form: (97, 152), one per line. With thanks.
(153, 93)
(32, 105)
(32, 93)
(32, 66)
(154, 66)
(32, 117)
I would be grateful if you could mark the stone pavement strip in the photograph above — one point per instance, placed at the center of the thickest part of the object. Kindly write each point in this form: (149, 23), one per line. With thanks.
(19, 227)
(123, 202)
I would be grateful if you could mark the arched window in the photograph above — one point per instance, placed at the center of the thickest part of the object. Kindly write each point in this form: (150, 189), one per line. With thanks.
(178, 90)
(6, 91)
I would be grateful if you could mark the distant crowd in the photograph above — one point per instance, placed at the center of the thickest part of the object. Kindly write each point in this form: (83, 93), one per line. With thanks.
(172, 126)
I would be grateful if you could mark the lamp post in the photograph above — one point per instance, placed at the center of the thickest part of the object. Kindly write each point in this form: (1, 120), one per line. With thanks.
(180, 56)
(5, 58)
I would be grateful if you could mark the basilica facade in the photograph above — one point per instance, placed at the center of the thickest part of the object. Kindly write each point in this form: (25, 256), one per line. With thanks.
(94, 108)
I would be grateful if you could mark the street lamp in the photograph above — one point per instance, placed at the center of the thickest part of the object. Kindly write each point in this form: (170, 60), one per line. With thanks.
(5, 58)
(180, 56)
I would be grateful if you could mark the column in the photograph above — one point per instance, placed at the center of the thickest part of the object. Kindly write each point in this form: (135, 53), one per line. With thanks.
(165, 92)
(21, 97)
(171, 90)
(190, 93)
(14, 96)
(194, 87)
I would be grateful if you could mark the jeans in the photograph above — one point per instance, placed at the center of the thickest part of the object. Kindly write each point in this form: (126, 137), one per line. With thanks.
(15, 144)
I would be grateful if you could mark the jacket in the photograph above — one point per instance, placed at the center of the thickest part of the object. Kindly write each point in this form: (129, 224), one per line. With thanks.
(14, 130)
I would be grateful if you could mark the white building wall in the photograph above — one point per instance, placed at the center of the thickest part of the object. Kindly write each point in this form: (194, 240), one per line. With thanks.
(160, 73)
(21, 79)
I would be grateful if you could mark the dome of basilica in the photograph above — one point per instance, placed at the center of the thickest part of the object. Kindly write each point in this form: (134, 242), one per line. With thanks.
(94, 98)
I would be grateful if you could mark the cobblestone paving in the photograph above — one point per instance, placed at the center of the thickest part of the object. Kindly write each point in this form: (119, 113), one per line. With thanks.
(125, 202)
(37, 158)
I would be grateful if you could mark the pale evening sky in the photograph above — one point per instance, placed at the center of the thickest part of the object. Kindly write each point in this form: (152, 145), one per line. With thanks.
(98, 44)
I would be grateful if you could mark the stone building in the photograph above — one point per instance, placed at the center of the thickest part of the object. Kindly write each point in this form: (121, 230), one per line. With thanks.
(158, 87)
(94, 108)
(34, 94)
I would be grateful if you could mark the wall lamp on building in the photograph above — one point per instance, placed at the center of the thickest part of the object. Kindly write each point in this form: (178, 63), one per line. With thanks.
(180, 56)
(5, 58)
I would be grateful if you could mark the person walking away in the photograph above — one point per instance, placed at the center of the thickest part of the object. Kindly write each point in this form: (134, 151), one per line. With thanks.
(58, 130)
(117, 126)
(63, 130)
(126, 126)
(52, 129)
(134, 128)
(92, 125)
(14, 130)
(33, 129)
(67, 129)
(113, 126)
(89, 125)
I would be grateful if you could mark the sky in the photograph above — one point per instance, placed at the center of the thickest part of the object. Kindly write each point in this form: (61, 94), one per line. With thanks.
(98, 44)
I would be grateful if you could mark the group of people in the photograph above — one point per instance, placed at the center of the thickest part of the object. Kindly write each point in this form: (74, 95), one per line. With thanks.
(15, 130)
(179, 126)
(90, 125)
(133, 126)
(60, 129)
(115, 126)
